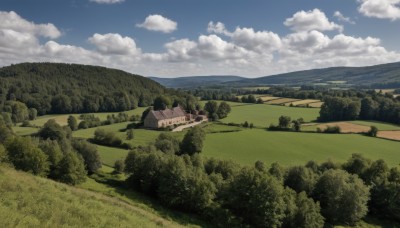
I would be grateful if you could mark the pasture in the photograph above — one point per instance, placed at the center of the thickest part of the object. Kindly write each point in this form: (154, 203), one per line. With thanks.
(292, 148)
(62, 118)
(109, 155)
(262, 115)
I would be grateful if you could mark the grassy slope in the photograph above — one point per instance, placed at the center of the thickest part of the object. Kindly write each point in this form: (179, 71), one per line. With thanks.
(291, 148)
(28, 201)
(263, 115)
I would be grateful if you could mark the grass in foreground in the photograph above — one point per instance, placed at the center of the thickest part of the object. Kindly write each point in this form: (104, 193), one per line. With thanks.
(112, 185)
(29, 201)
(291, 148)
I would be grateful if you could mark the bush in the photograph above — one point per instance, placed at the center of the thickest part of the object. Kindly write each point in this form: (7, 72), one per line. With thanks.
(373, 131)
(332, 130)
(26, 156)
(71, 169)
(119, 166)
(89, 154)
(107, 138)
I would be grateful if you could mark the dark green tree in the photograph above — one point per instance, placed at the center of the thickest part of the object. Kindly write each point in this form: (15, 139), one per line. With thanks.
(89, 154)
(161, 103)
(373, 132)
(26, 156)
(300, 178)
(193, 141)
(284, 122)
(32, 113)
(256, 198)
(211, 107)
(71, 169)
(119, 166)
(167, 143)
(130, 134)
(72, 123)
(343, 197)
(54, 154)
(223, 110)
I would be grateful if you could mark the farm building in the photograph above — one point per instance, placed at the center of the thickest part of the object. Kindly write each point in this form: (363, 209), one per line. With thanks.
(167, 117)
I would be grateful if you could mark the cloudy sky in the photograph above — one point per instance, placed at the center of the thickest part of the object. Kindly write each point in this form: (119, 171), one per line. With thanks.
(170, 38)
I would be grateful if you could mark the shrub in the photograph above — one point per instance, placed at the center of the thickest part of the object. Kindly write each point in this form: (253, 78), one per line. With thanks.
(332, 130)
(107, 138)
(373, 131)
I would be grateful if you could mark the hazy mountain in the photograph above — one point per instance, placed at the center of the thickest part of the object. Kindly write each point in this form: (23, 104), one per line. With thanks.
(384, 75)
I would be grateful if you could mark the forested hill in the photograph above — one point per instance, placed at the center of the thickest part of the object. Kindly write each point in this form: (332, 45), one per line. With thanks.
(72, 88)
(378, 76)
(384, 75)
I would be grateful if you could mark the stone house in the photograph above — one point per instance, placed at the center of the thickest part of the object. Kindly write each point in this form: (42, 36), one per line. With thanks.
(165, 118)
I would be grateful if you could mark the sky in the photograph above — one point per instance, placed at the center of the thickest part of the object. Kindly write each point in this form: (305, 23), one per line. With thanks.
(173, 38)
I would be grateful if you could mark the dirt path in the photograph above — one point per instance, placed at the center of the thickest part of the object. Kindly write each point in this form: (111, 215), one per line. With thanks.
(180, 128)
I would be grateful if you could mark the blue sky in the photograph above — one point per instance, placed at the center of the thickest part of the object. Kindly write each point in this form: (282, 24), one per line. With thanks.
(171, 38)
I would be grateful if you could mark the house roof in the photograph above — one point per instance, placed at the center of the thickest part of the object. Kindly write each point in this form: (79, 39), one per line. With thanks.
(168, 113)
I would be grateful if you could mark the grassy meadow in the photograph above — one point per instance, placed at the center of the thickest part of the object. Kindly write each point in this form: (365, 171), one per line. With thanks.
(62, 118)
(262, 115)
(29, 201)
(292, 148)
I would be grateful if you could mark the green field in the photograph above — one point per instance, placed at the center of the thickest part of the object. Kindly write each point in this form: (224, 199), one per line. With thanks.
(62, 118)
(29, 201)
(262, 115)
(291, 148)
(23, 131)
(109, 155)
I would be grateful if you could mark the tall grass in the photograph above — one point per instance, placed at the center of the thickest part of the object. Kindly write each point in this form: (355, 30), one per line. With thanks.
(28, 201)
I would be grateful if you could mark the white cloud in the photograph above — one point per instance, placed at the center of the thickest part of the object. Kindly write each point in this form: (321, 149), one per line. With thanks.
(158, 23)
(384, 9)
(12, 21)
(107, 1)
(261, 41)
(311, 20)
(341, 17)
(218, 28)
(112, 43)
(243, 51)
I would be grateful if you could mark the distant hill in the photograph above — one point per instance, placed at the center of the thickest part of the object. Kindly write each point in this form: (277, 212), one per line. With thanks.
(31, 201)
(379, 76)
(195, 81)
(73, 88)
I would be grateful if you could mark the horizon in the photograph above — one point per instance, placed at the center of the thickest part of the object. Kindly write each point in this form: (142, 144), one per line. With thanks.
(179, 39)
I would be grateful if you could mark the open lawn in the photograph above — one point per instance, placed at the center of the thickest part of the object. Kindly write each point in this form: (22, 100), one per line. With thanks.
(141, 136)
(109, 155)
(62, 118)
(262, 115)
(291, 148)
(24, 131)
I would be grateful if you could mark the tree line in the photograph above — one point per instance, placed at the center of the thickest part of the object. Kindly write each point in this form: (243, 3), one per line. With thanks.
(51, 153)
(368, 108)
(228, 194)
